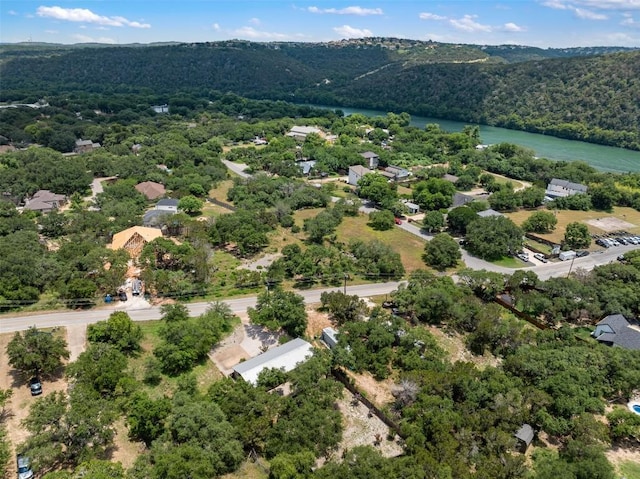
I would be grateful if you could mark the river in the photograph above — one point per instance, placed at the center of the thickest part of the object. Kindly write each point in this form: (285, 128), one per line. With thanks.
(605, 158)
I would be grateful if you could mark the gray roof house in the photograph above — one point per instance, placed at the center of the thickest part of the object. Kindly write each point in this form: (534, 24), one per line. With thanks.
(45, 201)
(489, 212)
(330, 337)
(371, 158)
(563, 188)
(285, 357)
(524, 435)
(167, 204)
(616, 330)
(355, 173)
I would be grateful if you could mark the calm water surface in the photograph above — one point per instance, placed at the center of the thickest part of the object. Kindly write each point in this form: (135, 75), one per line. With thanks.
(606, 158)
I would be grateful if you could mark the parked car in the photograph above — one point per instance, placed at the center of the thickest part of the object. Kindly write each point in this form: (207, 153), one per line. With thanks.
(35, 385)
(524, 257)
(24, 467)
(122, 295)
(541, 257)
(581, 253)
(398, 221)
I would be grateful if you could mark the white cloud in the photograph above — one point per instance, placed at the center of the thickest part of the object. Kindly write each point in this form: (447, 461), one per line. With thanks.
(431, 16)
(254, 21)
(629, 21)
(468, 24)
(346, 31)
(252, 33)
(216, 27)
(52, 32)
(87, 39)
(512, 27)
(589, 15)
(87, 16)
(360, 11)
(12, 12)
(608, 4)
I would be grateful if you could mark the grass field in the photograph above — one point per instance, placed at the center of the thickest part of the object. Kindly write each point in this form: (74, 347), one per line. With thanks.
(509, 262)
(409, 247)
(566, 216)
(630, 470)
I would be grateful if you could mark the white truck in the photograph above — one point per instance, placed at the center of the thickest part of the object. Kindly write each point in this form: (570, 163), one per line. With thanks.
(566, 255)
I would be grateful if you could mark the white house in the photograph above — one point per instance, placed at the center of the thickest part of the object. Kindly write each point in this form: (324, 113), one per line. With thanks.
(161, 108)
(167, 204)
(300, 132)
(355, 173)
(285, 357)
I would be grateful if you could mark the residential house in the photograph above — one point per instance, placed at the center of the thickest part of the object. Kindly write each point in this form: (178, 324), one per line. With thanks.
(156, 217)
(167, 204)
(306, 166)
(616, 330)
(450, 178)
(134, 239)
(85, 146)
(44, 201)
(371, 158)
(524, 436)
(460, 199)
(563, 188)
(285, 357)
(300, 133)
(355, 173)
(161, 108)
(151, 189)
(395, 173)
(412, 208)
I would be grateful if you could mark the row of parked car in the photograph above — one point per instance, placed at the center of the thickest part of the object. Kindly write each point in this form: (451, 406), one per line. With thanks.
(617, 241)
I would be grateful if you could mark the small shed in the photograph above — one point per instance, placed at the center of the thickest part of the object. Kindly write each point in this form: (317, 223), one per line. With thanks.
(330, 337)
(524, 435)
(412, 207)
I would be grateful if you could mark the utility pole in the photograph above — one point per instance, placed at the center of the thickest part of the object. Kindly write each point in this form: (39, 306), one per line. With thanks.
(346, 276)
(571, 266)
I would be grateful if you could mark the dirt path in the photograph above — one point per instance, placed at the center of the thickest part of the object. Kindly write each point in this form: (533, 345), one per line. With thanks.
(76, 340)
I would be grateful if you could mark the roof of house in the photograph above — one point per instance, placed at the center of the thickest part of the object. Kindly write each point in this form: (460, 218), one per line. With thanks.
(359, 169)
(306, 166)
(369, 154)
(568, 185)
(450, 178)
(525, 434)
(397, 170)
(84, 142)
(39, 205)
(153, 217)
(46, 196)
(167, 202)
(412, 206)
(303, 130)
(285, 357)
(148, 234)
(625, 332)
(489, 212)
(460, 199)
(151, 189)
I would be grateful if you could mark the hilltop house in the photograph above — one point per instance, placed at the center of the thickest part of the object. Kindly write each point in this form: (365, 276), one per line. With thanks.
(616, 330)
(161, 108)
(563, 188)
(524, 436)
(164, 208)
(395, 173)
(44, 201)
(300, 133)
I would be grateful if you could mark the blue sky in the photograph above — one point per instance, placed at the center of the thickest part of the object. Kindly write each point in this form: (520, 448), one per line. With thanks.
(542, 23)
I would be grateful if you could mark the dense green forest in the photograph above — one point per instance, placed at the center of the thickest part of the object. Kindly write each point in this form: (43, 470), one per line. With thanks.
(567, 93)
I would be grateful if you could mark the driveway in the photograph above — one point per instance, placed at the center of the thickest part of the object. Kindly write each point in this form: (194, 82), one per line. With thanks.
(237, 168)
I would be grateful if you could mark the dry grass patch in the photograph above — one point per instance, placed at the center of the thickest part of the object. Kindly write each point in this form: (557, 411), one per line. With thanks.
(249, 469)
(124, 450)
(409, 246)
(628, 215)
(453, 344)
(378, 392)
(220, 191)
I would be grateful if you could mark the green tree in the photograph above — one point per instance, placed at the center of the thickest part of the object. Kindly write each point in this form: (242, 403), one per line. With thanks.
(100, 367)
(459, 218)
(540, 222)
(190, 205)
(493, 237)
(441, 252)
(146, 417)
(381, 220)
(343, 308)
(292, 466)
(577, 235)
(119, 330)
(377, 188)
(36, 352)
(433, 221)
(280, 309)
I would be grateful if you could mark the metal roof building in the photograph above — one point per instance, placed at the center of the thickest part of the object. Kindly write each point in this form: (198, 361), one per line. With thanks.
(285, 357)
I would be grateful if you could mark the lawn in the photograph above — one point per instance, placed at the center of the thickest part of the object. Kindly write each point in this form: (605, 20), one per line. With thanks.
(630, 470)
(509, 262)
(567, 216)
(409, 247)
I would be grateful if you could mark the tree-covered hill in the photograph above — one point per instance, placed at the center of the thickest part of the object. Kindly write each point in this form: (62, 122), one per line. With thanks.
(576, 95)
